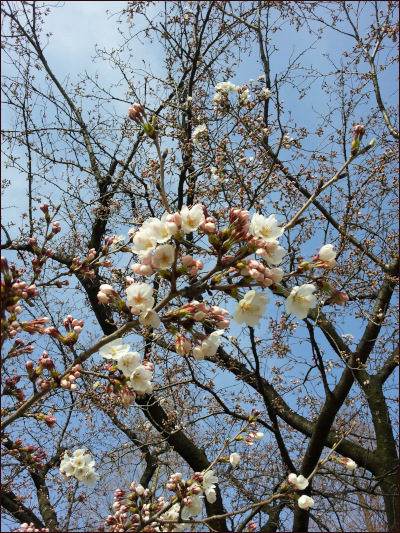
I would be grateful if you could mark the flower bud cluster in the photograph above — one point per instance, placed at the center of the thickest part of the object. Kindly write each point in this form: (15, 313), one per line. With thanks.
(138, 115)
(132, 505)
(82, 267)
(253, 434)
(20, 347)
(10, 388)
(107, 295)
(69, 381)
(195, 311)
(73, 327)
(72, 324)
(251, 269)
(193, 265)
(237, 230)
(29, 454)
(27, 528)
(13, 289)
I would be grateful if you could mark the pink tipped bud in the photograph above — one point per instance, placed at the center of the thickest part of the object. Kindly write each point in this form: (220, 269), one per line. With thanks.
(146, 270)
(103, 298)
(50, 421)
(136, 268)
(187, 260)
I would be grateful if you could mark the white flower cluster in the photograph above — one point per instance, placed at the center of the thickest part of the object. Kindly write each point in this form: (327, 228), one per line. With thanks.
(81, 466)
(202, 128)
(172, 514)
(140, 298)
(153, 231)
(128, 362)
(226, 87)
(252, 307)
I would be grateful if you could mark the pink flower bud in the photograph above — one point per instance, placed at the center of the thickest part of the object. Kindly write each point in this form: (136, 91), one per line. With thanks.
(103, 298)
(74, 387)
(146, 270)
(136, 268)
(139, 490)
(187, 260)
(50, 421)
(146, 258)
(199, 316)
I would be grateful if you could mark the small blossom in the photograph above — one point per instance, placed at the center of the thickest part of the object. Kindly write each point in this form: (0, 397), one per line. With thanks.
(301, 300)
(305, 502)
(298, 482)
(234, 459)
(265, 228)
(140, 380)
(266, 93)
(251, 308)
(128, 363)
(327, 253)
(192, 506)
(164, 257)
(139, 296)
(192, 218)
(114, 349)
(272, 253)
(197, 132)
(149, 318)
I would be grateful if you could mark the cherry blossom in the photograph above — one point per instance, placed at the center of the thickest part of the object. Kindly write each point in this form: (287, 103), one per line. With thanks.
(140, 380)
(192, 506)
(164, 257)
(298, 482)
(301, 300)
(140, 296)
(197, 132)
(251, 308)
(192, 218)
(327, 253)
(128, 363)
(272, 253)
(81, 466)
(114, 349)
(149, 318)
(209, 346)
(143, 241)
(265, 228)
(234, 459)
(305, 502)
